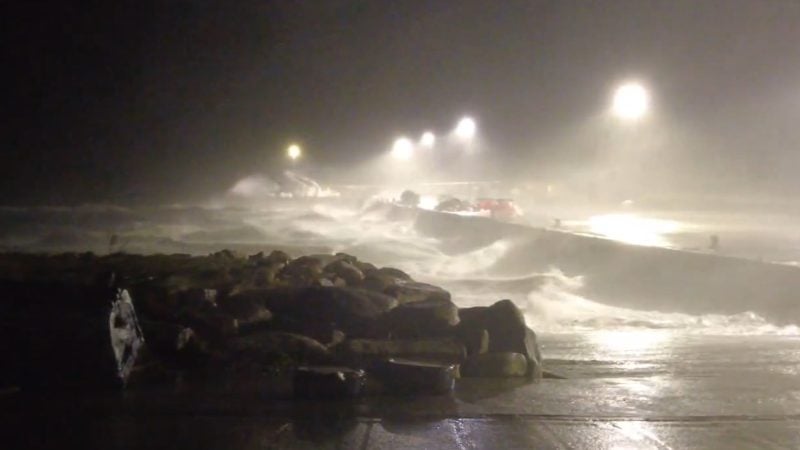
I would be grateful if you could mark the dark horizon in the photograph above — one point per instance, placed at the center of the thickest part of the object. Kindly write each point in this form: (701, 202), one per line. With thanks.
(177, 100)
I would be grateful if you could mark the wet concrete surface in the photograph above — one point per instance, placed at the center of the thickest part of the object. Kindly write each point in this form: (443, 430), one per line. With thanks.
(629, 391)
(311, 427)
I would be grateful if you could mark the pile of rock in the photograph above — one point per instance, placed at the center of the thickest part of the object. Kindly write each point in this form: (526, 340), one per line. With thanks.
(340, 326)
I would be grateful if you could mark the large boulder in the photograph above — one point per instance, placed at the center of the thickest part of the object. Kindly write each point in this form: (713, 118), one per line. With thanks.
(505, 324)
(475, 340)
(250, 314)
(495, 365)
(303, 271)
(403, 376)
(413, 291)
(394, 273)
(351, 310)
(345, 270)
(383, 279)
(276, 257)
(420, 319)
(365, 351)
(269, 346)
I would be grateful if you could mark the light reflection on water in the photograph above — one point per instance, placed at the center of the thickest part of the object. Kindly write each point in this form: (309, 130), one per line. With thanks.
(638, 341)
(634, 229)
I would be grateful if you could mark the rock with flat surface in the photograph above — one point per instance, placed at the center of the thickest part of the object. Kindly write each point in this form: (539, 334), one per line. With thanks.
(507, 331)
(404, 376)
(421, 319)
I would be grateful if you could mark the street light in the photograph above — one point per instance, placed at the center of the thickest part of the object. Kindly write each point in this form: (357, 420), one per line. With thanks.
(428, 140)
(465, 129)
(293, 152)
(631, 101)
(402, 149)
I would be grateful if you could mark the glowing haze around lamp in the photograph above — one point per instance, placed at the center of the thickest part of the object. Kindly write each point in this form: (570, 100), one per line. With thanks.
(428, 140)
(293, 152)
(465, 129)
(631, 101)
(402, 149)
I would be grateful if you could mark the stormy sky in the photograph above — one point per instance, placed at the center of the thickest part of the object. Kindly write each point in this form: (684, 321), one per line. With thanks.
(162, 101)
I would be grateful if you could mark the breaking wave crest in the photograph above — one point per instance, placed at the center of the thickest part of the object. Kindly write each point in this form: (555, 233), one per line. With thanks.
(477, 270)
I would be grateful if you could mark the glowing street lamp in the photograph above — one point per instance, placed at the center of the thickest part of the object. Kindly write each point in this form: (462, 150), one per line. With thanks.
(631, 101)
(294, 152)
(402, 149)
(428, 140)
(465, 129)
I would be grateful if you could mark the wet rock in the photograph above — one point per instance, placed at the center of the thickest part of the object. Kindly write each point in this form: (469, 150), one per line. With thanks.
(174, 344)
(324, 332)
(275, 258)
(412, 291)
(507, 331)
(419, 319)
(337, 337)
(155, 302)
(409, 198)
(365, 267)
(364, 351)
(499, 365)
(303, 271)
(377, 282)
(403, 376)
(351, 310)
(475, 340)
(257, 259)
(269, 346)
(394, 273)
(345, 271)
(249, 313)
(225, 255)
(197, 298)
(211, 325)
(328, 382)
(265, 276)
(347, 258)
(278, 257)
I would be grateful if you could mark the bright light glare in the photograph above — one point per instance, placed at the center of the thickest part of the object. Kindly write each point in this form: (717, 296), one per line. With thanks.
(428, 202)
(628, 341)
(428, 140)
(465, 129)
(294, 151)
(402, 149)
(633, 229)
(631, 101)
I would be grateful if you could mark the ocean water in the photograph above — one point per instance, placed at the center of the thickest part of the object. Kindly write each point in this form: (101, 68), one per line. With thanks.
(650, 378)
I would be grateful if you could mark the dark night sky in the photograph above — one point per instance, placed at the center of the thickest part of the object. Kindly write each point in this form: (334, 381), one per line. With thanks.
(124, 101)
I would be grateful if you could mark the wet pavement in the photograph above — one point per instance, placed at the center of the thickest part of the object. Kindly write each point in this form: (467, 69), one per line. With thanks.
(630, 390)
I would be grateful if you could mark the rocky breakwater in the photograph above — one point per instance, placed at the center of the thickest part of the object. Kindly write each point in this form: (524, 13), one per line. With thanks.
(312, 326)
